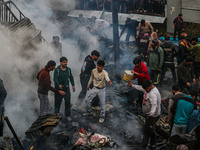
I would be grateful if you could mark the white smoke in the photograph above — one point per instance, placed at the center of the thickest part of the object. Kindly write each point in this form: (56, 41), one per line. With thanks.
(19, 67)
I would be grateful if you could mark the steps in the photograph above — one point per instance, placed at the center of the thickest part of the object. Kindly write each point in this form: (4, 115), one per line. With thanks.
(24, 31)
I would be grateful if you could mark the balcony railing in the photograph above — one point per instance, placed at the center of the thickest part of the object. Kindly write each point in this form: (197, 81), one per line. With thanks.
(9, 12)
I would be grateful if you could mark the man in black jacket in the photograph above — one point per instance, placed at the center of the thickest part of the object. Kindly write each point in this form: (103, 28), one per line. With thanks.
(185, 74)
(86, 70)
(169, 54)
(131, 26)
(3, 95)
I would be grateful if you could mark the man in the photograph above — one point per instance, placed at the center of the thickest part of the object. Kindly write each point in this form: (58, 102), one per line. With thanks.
(44, 85)
(176, 95)
(141, 73)
(56, 45)
(196, 50)
(131, 26)
(3, 95)
(98, 77)
(185, 75)
(178, 25)
(169, 54)
(83, 21)
(100, 27)
(144, 27)
(182, 109)
(155, 61)
(86, 70)
(62, 75)
(183, 50)
(151, 108)
(181, 39)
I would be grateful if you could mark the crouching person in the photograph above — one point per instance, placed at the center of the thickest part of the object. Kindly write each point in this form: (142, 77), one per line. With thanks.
(98, 77)
(151, 108)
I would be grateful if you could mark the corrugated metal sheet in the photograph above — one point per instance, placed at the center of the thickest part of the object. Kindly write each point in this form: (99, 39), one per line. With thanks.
(121, 17)
(86, 13)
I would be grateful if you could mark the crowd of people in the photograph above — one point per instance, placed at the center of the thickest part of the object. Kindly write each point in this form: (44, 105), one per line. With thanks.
(124, 6)
(149, 71)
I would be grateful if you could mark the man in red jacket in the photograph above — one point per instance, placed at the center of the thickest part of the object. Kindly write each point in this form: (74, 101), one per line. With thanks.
(140, 73)
(44, 85)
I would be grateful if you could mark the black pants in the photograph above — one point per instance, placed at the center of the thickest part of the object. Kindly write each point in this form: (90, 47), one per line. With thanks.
(84, 81)
(58, 101)
(149, 131)
(140, 96)
(197, 69)
(179, 33)
(183, 87)
(165, 67)
(154, 75)
(129, 33)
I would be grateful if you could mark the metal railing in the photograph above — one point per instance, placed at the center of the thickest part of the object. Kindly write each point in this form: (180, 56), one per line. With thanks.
(9, 12)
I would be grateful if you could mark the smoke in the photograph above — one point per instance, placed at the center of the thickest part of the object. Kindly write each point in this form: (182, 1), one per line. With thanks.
(19, 67)
(18, 71)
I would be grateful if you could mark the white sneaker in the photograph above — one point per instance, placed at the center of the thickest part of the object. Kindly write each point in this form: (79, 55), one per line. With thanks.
(68, 119)
(101, 120)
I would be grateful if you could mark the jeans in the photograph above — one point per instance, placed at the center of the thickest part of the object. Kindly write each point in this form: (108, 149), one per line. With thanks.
(175, 31)
(102, 96)
(179, 129)
(172, 68)
(129, 33)
(84, 81)
(149, 131)
(44, 104)
(58, 101)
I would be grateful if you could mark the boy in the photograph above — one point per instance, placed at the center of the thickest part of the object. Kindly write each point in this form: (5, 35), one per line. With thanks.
(98, 77)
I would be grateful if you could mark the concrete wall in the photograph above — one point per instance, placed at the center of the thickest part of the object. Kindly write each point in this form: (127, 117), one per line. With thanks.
(173, 9)
(189, 8)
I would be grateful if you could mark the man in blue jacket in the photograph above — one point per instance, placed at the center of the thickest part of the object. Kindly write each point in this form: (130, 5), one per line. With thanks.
(182, 109)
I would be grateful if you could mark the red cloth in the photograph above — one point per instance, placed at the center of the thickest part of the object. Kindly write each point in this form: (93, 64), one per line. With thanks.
(143, 73)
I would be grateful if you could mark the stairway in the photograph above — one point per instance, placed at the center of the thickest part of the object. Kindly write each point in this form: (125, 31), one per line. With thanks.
(23, 31)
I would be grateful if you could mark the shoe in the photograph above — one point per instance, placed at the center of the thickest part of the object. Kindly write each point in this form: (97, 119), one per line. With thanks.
(101, 120)
(68, 118)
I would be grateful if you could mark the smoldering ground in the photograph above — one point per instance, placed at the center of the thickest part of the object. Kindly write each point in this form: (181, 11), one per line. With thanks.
(19, 72)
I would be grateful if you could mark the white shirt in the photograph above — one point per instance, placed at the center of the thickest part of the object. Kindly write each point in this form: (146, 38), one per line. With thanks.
(151, 101)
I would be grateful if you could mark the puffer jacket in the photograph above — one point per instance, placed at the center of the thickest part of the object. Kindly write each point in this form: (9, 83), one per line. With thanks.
(156, 58)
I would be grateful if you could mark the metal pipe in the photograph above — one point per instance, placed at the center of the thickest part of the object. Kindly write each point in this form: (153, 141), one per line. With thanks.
(13, 132)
